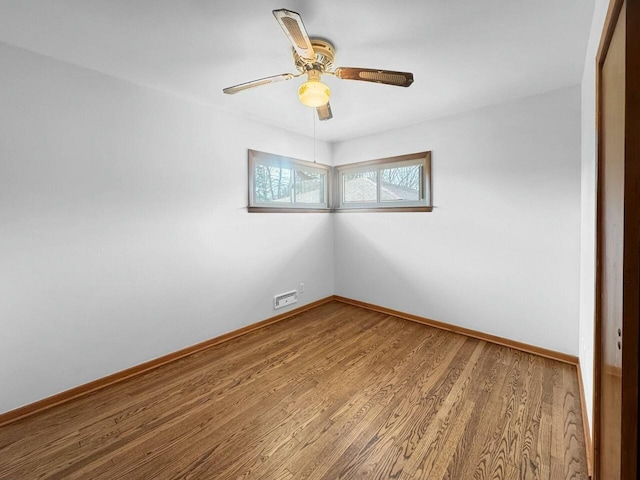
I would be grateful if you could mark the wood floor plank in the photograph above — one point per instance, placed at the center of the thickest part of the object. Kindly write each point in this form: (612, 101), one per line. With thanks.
(392, 405)
(573, 438)
(492, 422)
(337, 392)
(485, 394)
(450, 419)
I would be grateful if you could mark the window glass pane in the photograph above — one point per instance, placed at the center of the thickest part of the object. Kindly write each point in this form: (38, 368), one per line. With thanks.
(272, 184)
(360, 187)
(400, 183)
(309, 187)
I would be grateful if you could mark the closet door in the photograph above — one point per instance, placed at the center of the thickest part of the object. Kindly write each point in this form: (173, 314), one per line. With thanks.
(618, 266)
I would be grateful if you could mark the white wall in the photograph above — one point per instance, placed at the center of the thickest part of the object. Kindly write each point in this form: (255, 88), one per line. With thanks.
(123, 228)
(588, 204)
(500, 252)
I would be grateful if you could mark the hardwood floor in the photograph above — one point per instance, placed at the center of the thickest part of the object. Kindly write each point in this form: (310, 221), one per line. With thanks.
(338, 392)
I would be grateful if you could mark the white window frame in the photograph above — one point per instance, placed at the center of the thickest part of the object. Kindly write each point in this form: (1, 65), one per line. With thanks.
(268, 159)
(423, 203)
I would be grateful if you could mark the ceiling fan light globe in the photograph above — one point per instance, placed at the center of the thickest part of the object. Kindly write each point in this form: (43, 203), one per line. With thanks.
(314, 94)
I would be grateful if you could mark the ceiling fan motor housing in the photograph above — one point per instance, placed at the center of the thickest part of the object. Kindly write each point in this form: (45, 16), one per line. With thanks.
(325, 56)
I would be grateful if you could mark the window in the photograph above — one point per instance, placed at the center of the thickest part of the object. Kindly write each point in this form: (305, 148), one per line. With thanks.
(390, 184)
(279, 183)
(282, 184)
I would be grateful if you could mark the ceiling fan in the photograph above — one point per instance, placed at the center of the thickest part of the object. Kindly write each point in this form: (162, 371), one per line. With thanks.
(314, 57)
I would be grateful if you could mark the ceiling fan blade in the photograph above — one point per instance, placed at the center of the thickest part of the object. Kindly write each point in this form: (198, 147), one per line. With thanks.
(324, 112)
(388, 77)
(291, 23)
(259, 82)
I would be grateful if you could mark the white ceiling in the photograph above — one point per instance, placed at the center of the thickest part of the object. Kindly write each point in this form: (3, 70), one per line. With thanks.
(464, 53)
